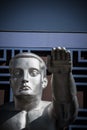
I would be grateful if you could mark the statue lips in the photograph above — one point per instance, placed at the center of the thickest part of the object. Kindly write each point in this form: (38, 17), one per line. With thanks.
(24, 88)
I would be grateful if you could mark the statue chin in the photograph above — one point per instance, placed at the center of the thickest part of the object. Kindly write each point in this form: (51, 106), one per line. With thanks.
(27, 95)
(23, 92)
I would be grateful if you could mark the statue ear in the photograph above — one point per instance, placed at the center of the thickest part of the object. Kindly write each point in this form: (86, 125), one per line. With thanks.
(44, 82)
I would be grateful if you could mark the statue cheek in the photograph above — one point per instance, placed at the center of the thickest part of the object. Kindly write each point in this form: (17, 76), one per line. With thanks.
(14, 83)
(35, 80)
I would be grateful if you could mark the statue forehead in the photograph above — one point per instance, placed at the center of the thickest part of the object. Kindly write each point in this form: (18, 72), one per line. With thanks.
(26, 63)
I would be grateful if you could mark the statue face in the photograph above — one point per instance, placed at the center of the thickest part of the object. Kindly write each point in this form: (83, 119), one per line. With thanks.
(26, 77)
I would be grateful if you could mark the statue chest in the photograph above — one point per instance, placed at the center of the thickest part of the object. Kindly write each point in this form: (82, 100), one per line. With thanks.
(21, 121)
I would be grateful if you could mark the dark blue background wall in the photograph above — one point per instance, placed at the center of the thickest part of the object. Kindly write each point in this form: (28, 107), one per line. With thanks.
(48, 15)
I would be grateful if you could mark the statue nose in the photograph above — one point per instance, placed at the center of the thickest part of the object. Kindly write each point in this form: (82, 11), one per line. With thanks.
(25, 77)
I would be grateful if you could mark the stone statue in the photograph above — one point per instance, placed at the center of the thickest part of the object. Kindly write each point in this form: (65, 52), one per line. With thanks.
(28, 79)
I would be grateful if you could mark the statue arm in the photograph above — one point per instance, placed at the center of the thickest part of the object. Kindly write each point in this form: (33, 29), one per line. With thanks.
(65, 104)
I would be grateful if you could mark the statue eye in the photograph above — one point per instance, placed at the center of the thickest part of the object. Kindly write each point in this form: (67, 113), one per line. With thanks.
(34, 72)
(17, 73)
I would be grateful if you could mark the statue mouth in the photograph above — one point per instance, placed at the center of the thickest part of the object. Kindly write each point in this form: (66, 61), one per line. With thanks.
(24, 88)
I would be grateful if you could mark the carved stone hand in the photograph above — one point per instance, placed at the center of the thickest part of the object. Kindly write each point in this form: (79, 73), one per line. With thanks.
(59, 61)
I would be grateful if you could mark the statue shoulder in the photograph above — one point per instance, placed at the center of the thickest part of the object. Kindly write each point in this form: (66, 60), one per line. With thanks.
(45, 104)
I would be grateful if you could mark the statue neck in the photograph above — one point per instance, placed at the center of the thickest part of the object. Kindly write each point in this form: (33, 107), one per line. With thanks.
(24, 103)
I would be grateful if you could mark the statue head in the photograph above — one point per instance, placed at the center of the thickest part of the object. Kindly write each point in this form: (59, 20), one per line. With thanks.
(28, 75)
